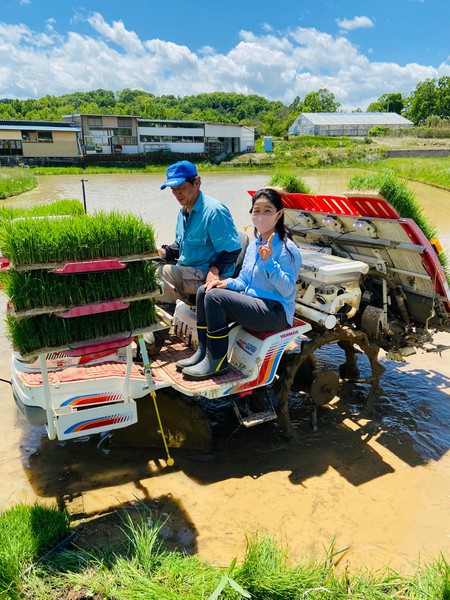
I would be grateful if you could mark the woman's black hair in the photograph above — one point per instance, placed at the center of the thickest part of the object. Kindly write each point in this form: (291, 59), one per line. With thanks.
(274, 198)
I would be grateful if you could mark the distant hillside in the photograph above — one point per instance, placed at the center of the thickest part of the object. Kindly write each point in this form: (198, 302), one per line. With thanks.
(269, 117)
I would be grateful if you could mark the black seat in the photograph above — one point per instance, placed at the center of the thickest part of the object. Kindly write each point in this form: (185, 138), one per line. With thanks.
(244, 239)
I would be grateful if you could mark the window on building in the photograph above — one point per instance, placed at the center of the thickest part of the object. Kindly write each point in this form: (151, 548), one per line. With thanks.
(10, 147)
(123, 140)
(124, 122)
(29, 136)
(45, 137)
(94, 121)
(171, 124)
(123, 131)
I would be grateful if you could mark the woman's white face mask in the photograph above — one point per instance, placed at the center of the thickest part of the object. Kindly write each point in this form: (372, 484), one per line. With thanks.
(265, 223)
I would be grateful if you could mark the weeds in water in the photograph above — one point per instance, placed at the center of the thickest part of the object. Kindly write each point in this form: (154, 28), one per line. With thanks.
(292, 184)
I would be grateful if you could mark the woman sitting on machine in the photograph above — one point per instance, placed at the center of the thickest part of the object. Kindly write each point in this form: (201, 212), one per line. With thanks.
(267, 286)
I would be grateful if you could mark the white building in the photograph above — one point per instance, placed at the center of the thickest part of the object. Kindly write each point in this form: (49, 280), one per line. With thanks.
(345, 124)
(188, 137)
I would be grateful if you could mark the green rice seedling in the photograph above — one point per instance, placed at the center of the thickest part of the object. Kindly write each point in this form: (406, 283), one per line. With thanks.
(26, 533)
(42, 288)
(32, 334)
(14, 181)
(29, 241)
(59, 207)
(402, 199)
(290, 183)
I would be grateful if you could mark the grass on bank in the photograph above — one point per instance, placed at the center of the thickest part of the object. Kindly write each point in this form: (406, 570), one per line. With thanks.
(141, 568)
(15, 181)
(26, 534)
(433, 171)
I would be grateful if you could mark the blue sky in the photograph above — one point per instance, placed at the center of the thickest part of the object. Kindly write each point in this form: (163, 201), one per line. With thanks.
(279, 49)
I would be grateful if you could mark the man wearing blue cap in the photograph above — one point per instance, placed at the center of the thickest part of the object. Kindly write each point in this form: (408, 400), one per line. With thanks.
(206, 242)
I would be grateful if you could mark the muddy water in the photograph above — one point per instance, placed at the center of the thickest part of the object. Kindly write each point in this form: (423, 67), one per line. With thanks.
(379, 486)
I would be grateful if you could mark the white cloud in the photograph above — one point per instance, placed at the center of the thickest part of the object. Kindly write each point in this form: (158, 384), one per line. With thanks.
(355, 23)
(117, 33)
(278, 66)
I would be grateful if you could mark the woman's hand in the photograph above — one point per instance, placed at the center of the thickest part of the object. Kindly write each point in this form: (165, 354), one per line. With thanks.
(220, 283)
(266, 250)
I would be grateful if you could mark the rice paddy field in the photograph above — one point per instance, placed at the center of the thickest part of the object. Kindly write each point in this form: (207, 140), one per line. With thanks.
(388, 504)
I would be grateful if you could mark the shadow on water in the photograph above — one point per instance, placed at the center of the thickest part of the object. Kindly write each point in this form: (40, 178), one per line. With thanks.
(411, 419)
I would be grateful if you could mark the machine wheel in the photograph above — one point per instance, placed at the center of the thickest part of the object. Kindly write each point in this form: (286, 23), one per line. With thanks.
(372, 322)
(324, 387)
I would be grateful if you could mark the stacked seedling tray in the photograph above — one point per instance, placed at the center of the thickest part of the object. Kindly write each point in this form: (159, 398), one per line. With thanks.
(81, 284)
(76, 279)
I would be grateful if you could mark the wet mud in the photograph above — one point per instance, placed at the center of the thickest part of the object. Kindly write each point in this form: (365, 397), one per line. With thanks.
(378, 484)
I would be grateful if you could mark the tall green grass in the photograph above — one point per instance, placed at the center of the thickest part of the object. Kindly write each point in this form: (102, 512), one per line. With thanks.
(433, 171)
(290, 183)
(26, 533)
(79, 237)
(15, 181)
(142, 569)
(32, 334)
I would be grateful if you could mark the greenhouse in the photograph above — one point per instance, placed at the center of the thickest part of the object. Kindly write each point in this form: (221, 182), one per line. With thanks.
(349, 124)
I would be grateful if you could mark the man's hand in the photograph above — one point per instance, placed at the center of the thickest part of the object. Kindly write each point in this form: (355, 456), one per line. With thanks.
(162, 253)
(212, 275)
(266, 250)
(219, 283)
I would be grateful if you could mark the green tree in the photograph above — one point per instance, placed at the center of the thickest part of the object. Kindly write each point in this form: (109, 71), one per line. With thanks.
(321, 101)
(422, 102)
(391, 102)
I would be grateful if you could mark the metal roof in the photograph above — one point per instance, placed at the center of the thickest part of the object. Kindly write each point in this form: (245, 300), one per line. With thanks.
(38, 128)
(37, 125)
(356, 118)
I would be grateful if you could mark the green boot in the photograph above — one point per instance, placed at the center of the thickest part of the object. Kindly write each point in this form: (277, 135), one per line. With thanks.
(199, 355)
(215, 361)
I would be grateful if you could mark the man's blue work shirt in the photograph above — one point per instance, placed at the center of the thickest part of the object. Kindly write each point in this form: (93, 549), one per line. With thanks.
(208, 231)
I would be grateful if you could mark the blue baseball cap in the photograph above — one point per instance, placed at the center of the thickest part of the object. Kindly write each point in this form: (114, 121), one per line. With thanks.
(178, 173)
